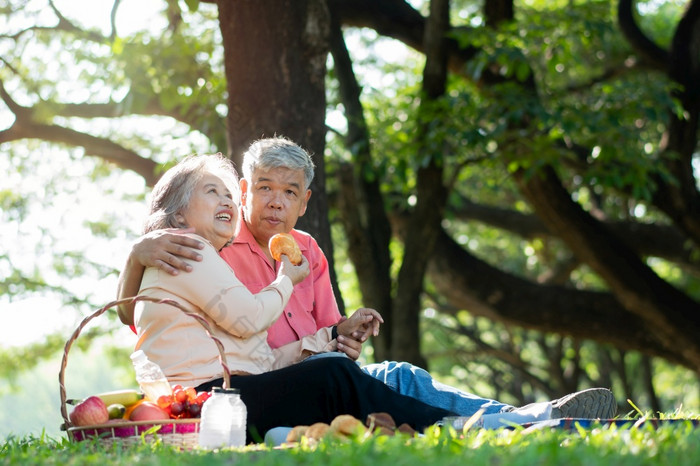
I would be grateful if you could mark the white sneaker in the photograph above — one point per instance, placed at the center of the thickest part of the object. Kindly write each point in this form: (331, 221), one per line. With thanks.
(594, 403)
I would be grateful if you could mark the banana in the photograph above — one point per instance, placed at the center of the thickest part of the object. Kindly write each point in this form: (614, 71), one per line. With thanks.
(126, 397)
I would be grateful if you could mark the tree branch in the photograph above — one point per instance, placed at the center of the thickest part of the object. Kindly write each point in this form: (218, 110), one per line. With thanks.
(113, 19)
(471, 284)
(17, 109)
(679, 198)
(104, 148)
(122, 108)
(497, 12)
(639, 41)
(66, 25)
(512, 359)
(615, 71)
(668, 313)
(398, 20)
(25, 128)
(174, 13)
(657, 240)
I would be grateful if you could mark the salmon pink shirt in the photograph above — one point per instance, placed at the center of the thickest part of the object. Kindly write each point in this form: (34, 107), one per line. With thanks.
(312, 305)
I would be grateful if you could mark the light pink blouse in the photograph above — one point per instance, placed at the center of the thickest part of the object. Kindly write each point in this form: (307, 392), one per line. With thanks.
(240, 319)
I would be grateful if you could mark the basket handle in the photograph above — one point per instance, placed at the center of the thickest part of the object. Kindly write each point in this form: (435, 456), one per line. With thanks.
(97, 313)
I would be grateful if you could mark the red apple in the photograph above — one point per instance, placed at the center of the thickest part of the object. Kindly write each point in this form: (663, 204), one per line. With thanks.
(147, 411)
(90, 411)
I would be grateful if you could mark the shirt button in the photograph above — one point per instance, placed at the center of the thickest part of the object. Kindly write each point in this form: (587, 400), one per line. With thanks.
(289, 314)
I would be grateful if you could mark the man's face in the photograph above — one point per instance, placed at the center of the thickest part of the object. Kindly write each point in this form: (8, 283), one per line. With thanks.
(272, 202)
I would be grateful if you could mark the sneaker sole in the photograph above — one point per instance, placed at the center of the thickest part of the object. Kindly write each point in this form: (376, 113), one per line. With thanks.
(594, 403)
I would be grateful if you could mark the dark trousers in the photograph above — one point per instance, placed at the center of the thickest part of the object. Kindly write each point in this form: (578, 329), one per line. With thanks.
(319, 390)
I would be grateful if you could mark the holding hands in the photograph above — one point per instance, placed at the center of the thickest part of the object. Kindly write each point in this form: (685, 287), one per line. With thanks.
(354, 331)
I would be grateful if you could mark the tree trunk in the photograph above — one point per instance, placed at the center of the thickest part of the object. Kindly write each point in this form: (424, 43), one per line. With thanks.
(648, 382)
(275, 60)
(424, 224)
(361, 207)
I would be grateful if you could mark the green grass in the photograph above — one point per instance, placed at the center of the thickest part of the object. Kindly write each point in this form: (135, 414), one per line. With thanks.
(677, 444)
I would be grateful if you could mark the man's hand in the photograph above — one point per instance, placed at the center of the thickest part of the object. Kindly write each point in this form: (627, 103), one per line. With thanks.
(353, 332)
(159, 248)
(165, 249)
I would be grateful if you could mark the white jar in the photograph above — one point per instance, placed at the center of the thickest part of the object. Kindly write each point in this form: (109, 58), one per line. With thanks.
(223, 421)
(238, 421)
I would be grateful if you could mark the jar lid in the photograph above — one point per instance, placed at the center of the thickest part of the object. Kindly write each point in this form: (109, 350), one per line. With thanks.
(226, 391)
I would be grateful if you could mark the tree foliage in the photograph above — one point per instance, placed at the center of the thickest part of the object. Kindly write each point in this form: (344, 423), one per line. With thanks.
(531, 163)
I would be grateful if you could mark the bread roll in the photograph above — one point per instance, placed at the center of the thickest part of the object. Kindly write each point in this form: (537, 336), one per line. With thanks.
(296, 434)
(406, 429)
(381, 430)
(317, 431)
(347, 425)
(284, 243)
(382, 419)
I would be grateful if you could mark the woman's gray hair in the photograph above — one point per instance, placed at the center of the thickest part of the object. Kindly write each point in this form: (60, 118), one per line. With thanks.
(172, 194)
(277, 152)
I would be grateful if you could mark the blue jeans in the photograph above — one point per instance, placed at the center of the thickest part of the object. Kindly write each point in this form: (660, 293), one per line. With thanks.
(410, 380)
(415, 382)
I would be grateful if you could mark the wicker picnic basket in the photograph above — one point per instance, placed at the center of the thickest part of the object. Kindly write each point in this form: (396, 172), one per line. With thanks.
(174, 432)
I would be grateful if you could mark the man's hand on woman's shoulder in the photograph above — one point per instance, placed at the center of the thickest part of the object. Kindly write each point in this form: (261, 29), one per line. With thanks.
(166, 250)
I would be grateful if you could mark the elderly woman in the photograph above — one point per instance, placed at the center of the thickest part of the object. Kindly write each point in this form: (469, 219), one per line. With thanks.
(200, 193)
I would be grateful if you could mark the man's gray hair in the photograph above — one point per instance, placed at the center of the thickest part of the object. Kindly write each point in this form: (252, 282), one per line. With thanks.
(276, 152)
(172, 194)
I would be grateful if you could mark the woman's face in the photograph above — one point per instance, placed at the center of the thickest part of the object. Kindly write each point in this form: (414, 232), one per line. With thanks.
(211, 211)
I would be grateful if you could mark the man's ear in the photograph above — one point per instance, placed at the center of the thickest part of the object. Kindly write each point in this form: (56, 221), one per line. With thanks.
(243, 185)
(305, 203)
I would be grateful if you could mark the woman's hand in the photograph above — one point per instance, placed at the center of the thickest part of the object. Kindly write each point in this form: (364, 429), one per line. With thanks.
(296, 273)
